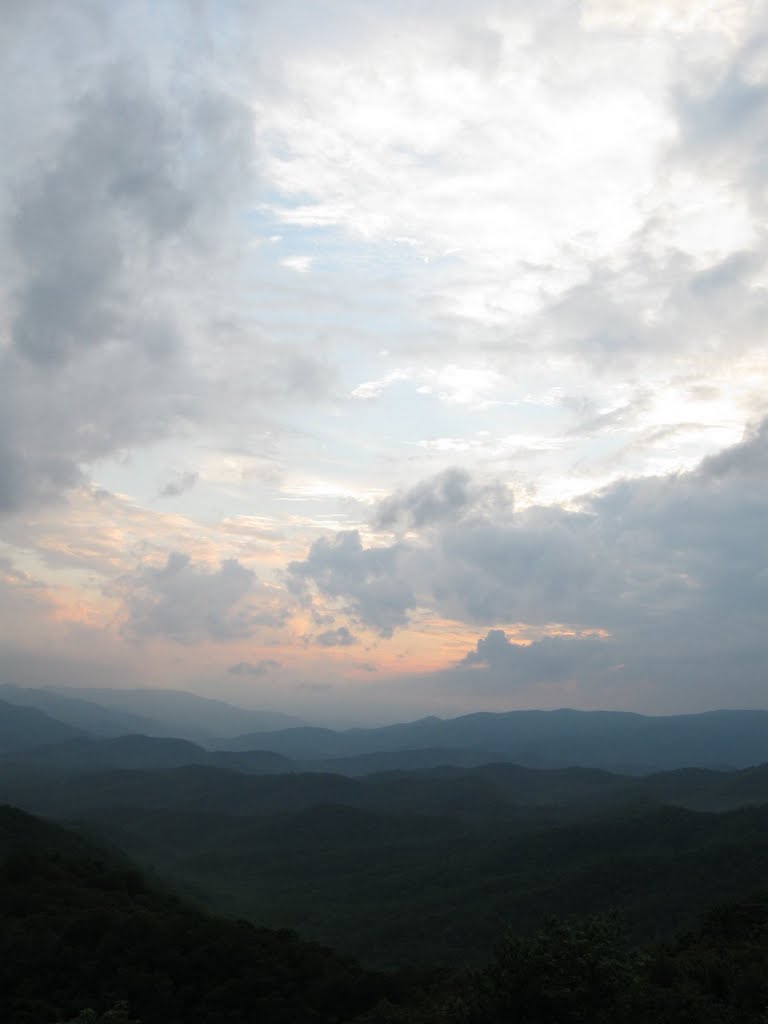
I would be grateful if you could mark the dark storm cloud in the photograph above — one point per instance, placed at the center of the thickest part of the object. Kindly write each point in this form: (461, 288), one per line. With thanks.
(188, 603)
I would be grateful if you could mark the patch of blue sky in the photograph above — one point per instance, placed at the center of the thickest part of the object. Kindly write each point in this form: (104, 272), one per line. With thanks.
(404, 413)
(308, 274)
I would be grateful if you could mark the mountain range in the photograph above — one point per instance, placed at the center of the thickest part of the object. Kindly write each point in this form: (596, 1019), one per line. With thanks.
(417, 843)
(113, 712)
(619, 741)
(615, 741)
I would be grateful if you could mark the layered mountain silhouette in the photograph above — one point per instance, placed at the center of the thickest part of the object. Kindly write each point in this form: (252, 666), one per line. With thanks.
(617, 741)
(111, 712)
(606, 739)
(418, 842)
(22, 728)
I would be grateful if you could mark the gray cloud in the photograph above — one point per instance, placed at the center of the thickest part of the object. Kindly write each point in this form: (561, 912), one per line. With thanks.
(673, 569)
(365, 578)
(449, 495)
(115, 188)
(254, 668)
(186, 602)
(725, 125)
(94, 365)
(552, 659)
(339, 637)
(748, 459)
(121, 216)
(181, 483)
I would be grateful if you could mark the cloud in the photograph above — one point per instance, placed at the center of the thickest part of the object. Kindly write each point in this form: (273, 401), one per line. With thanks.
(450, 127)
(124, 246)
(365, 578)
(254, 668)
(723, 120)
(654, 574)
(449, 495)
(748, 459)
(552, 659)
(339, 637)
(299, 264)
(521, 251)
(92, 366)
(179, 485)
(189, 603)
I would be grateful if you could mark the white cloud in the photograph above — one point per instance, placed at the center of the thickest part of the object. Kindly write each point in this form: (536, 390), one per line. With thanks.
(301, 264)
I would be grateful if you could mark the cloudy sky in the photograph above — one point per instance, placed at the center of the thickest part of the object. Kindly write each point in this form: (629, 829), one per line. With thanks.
(366, 360)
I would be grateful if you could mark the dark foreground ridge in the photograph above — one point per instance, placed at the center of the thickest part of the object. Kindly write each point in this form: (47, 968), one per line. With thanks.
(84, 939)
(81, 928)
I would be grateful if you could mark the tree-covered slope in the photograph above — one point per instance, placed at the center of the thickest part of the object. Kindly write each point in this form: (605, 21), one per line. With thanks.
(81, 929)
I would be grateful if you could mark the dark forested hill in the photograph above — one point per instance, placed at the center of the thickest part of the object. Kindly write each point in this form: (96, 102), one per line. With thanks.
(79, 929)
(427, 867)
(430, 864)
(83, 938)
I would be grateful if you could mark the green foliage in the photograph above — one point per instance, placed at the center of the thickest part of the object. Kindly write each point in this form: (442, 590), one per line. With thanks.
(586, 972)
(568, 973)
(118, 1014)
(78, 929)
(83, 931)
(427, 867)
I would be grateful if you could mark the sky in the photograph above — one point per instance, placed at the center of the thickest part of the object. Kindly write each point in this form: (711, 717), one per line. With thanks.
(371, 360)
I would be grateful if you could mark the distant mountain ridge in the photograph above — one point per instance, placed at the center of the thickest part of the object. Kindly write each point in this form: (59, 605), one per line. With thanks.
(210, 717)
(85, 715)
(610, 740)
(22, 727)
(619, 741)
(107, 712)
(137, 753)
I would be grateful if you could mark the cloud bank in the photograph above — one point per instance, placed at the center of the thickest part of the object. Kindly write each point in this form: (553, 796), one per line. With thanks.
(434, 331)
